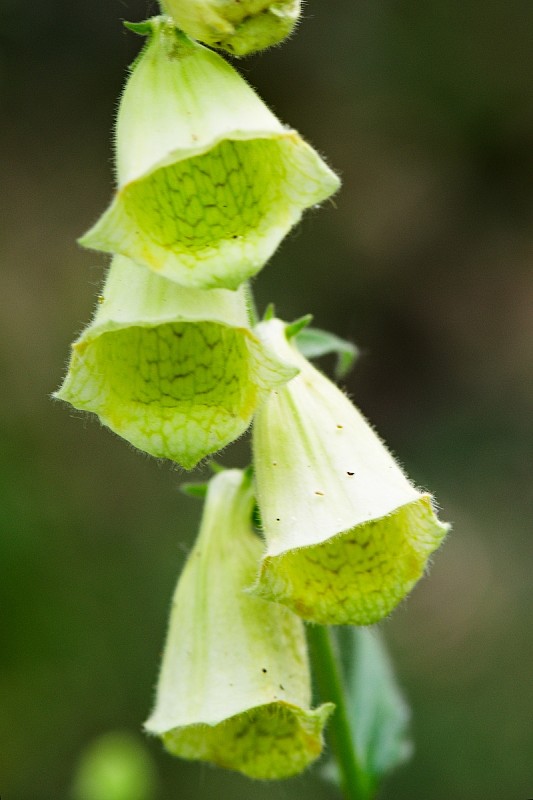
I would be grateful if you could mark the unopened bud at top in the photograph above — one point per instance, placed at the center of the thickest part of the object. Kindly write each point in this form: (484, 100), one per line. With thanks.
(238, 26)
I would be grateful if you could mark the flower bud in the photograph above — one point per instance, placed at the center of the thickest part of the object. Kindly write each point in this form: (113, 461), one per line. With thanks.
(175, 371)
(348, 536)
(209, 181)
(238, 26)
(234, 687)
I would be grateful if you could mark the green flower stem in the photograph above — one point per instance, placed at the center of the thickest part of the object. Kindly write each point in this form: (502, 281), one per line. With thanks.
(354, 780)
(253, 316)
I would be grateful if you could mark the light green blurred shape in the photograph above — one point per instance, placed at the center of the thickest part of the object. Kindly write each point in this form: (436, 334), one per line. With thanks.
(115, 767)
(314, 343)
(378, 713)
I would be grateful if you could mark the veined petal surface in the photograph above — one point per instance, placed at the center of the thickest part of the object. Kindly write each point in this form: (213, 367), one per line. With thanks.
(348, 535)
(234, 687)
(209, 180)
(175, 371)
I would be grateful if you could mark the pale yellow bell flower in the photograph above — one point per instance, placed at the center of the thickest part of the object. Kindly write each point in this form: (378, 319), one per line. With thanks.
(348, 535)
(175, 371)
(209, 180)
(234, 687)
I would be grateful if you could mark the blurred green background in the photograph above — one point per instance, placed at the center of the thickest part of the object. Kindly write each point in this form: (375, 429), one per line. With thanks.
(424, 260)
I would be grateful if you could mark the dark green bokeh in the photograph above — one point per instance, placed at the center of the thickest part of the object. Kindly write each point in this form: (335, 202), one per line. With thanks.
(424, 260)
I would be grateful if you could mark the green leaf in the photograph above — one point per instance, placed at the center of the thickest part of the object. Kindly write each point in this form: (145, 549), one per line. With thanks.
(270, 312)
(194, 489)
(314, 343)
(378, 713)
(294, 328)
(140, 28)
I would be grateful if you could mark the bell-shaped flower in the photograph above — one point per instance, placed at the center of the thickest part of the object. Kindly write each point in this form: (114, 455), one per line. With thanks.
(240, 27)
(209, 180)
(348, 536)
(234, 687)
(175, 371)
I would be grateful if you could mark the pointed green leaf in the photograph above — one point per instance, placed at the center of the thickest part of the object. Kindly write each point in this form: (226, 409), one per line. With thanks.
(314, 343)
(198, 490)
(140, 28)
(378, 713)
(299, 325)
(270, 312)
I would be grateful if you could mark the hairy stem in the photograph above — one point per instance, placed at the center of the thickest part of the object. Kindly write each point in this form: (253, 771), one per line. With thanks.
(253, 316)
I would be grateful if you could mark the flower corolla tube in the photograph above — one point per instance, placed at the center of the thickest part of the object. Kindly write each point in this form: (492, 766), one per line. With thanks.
(234, 687)
(348, 535)
(175, 371)
(209, 180)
